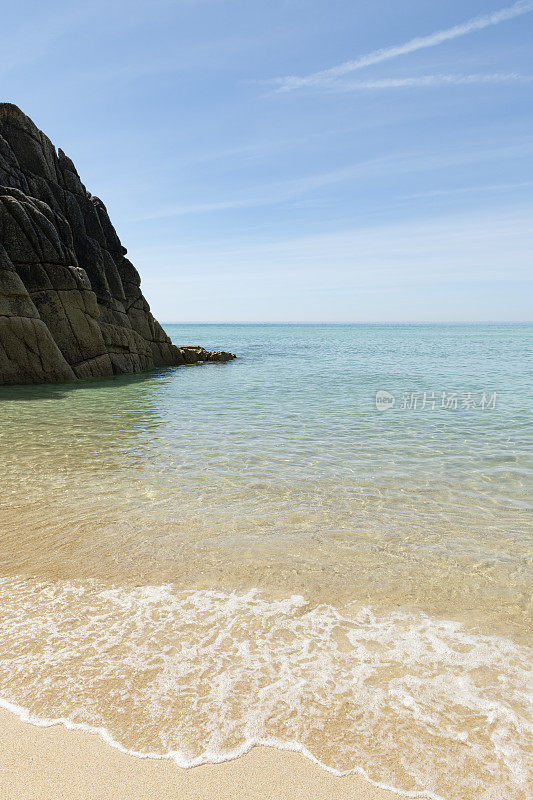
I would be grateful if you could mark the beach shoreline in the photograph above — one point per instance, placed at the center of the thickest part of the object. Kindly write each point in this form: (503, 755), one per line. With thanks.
(54, 763)
(185, 570)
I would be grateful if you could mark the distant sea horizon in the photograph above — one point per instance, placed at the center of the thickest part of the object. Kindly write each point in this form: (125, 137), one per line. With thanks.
(347, 322)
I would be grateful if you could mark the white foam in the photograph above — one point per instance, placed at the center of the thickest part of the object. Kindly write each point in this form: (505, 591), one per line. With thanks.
(208, 758)
(415, 705)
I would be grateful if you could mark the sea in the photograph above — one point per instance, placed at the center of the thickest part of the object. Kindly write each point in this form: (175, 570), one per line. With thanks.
(324, 546)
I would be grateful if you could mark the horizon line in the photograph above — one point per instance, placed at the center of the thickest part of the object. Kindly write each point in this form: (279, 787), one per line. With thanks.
(351, 322)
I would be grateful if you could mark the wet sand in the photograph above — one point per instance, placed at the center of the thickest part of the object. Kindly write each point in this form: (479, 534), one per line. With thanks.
(57, 764)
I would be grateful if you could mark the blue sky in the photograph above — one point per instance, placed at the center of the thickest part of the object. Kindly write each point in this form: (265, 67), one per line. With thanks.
(297, 160)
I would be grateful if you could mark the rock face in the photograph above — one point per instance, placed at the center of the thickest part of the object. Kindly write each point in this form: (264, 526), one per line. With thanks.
(70, 301)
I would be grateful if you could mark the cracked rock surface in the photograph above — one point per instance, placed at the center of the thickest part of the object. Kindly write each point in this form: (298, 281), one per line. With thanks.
(70, 301)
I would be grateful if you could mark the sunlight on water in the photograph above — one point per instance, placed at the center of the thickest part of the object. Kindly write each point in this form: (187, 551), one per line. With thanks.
(138, 515)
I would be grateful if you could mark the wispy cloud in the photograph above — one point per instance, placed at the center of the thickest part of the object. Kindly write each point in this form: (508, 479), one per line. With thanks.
(291, 82)
(269, 194)
(422, 81)
(461, 266)
(481, 189)
(398, 247)
(203, 208)
(291, 190)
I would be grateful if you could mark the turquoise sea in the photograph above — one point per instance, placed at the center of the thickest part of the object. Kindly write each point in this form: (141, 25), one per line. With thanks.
(200, 559)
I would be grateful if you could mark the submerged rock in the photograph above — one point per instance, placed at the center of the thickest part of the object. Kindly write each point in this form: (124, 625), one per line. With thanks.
(70, 301)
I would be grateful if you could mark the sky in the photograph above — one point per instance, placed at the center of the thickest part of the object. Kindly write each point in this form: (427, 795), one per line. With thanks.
(297, 160)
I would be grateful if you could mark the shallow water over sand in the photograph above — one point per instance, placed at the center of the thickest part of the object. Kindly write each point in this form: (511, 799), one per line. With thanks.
(389, 551)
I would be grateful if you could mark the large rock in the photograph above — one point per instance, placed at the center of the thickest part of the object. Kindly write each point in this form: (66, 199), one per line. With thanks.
(70, 301)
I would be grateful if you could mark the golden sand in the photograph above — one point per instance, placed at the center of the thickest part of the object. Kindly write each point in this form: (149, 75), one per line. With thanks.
(57, 764)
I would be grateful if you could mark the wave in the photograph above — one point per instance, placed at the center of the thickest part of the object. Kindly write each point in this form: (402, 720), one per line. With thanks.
(416, 705)
(25, 716)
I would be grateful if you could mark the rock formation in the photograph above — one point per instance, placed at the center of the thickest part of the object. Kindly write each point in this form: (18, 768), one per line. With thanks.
(70, 301)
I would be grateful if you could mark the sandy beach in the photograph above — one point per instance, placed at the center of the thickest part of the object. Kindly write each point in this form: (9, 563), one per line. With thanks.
(193, 571)
(55, 763)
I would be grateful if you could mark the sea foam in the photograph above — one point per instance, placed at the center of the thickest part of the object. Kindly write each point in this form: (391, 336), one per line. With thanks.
(415, 704)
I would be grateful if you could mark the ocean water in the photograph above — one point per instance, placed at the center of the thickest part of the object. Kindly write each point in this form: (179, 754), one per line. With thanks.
(197, 560)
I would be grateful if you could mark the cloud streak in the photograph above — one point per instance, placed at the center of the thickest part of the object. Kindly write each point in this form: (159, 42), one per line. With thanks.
(292, 190)
(422, 81)
(270, 194)
(416, 269)
(481, 189)
(292, 82)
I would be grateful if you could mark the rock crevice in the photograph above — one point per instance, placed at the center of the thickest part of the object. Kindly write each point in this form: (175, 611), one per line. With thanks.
(71, 305)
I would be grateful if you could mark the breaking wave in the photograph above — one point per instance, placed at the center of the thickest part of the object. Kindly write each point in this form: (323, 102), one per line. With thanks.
(413, 703)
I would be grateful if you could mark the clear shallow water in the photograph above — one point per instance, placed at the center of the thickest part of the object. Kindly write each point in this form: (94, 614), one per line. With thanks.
(388, 550)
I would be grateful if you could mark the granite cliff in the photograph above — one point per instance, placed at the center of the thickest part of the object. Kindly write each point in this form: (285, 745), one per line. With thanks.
(70, 301)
